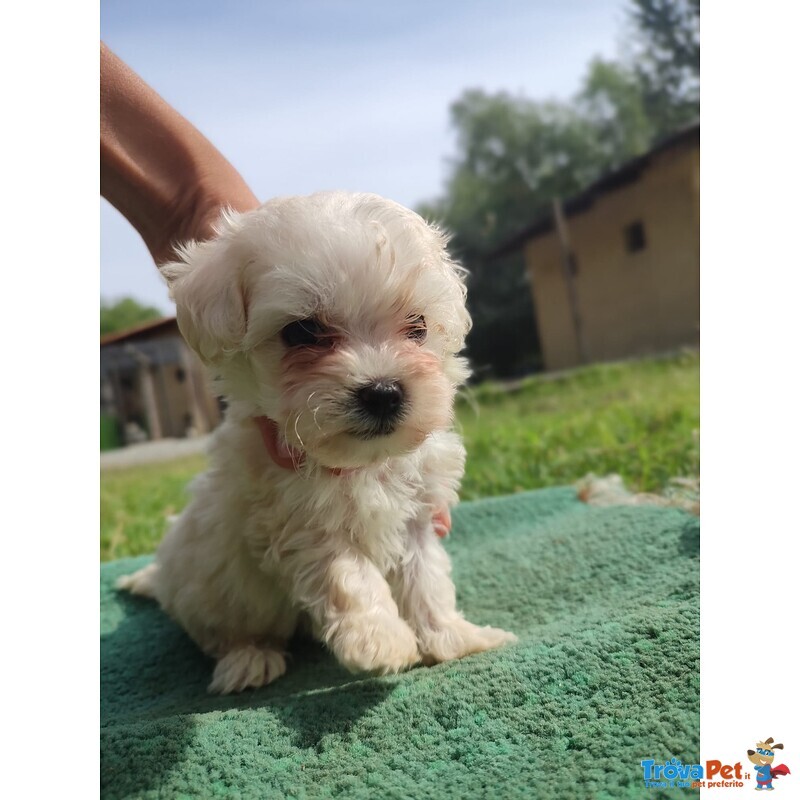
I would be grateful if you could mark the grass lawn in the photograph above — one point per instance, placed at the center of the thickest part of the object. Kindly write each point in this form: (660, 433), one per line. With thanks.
(640, 419)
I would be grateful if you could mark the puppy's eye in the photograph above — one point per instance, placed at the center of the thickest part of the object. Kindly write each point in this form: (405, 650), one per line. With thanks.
(416, 329)
(306, 333)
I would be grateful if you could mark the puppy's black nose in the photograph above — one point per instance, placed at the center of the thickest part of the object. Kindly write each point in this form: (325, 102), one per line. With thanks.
(382, 400)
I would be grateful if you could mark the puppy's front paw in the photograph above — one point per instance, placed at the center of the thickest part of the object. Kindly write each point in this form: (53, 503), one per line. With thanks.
(247, 667)
(374, 643)
(458, 638)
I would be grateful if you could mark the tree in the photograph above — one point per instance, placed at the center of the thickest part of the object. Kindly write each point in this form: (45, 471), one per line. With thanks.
(666, 59)
(612, 101)
(124, 313)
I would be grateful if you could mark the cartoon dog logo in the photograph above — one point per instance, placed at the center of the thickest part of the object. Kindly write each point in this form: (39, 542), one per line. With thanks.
(762, 757)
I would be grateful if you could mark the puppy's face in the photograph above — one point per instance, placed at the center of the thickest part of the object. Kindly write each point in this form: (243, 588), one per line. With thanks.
(338, 316)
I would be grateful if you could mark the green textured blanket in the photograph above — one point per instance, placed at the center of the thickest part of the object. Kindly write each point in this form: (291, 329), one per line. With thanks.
(605, 674)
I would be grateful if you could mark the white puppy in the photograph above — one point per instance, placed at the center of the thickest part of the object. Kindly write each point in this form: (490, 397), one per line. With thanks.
(332, 325)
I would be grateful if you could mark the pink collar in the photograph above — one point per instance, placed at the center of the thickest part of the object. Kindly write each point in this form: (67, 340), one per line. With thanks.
(282, 453)
(287, 457)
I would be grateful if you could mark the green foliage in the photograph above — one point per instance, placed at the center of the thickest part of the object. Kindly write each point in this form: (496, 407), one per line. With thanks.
(125, 313)
(666, 55)
(612, 102)
(109, 433)
(639, 419)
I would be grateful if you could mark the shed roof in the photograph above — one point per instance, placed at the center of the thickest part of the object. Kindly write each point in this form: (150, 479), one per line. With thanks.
(144, 329)
(621, 176)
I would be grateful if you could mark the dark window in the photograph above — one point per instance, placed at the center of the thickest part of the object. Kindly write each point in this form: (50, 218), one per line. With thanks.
(634, 237)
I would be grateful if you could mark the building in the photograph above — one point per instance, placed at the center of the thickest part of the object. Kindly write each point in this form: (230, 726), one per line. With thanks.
(152, 386)
(616, 273)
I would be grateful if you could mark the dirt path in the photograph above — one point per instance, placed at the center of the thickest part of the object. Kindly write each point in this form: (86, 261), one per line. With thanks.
(152, 452)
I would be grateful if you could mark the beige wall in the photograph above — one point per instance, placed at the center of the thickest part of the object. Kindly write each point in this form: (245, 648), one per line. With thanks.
(190, 398)
(630, 303)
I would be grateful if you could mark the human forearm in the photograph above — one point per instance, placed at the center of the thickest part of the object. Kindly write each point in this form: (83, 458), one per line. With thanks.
(156, 168)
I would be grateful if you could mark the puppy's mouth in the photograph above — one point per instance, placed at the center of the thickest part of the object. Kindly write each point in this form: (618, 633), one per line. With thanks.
(366, 431)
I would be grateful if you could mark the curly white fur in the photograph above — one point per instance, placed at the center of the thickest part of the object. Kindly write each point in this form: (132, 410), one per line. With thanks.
(345, 539)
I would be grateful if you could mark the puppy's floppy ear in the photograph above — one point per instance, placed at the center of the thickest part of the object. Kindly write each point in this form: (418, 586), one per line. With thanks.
(207, 284)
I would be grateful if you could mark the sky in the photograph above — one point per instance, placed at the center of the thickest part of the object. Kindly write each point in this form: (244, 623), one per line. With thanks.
(344, 94)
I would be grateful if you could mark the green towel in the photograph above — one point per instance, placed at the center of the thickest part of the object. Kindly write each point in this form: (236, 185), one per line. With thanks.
(605, 602)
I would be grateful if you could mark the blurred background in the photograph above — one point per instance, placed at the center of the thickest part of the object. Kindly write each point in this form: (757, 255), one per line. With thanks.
(557, 142)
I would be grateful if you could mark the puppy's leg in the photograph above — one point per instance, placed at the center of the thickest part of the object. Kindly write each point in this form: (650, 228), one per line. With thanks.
(427, 599)
(247, 667)
(353, 612)
(141, 582)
